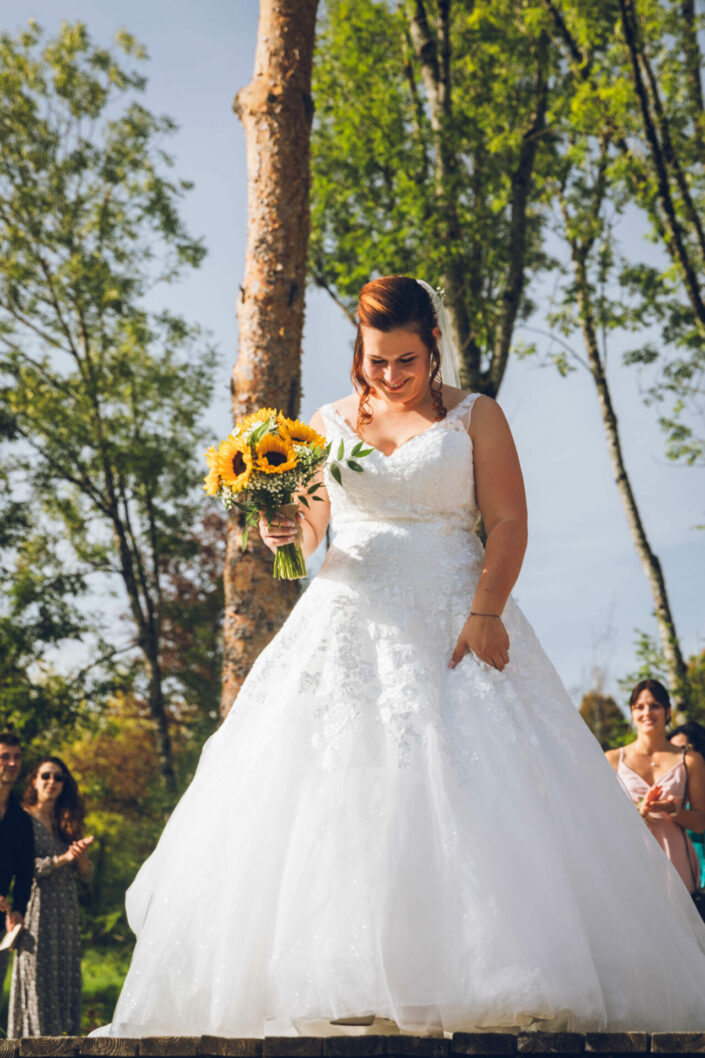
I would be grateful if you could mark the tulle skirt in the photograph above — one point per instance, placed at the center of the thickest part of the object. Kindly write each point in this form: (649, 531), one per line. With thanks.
(370, 832)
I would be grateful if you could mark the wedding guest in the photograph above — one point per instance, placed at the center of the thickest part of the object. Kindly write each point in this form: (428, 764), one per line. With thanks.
(45, 997)
(16, 843)
(692, 736)
(662, 778)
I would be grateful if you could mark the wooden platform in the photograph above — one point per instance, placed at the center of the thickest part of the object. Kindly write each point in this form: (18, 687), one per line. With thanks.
(478, 1045)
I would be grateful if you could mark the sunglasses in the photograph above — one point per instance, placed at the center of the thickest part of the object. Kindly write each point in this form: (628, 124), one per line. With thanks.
(57, 776)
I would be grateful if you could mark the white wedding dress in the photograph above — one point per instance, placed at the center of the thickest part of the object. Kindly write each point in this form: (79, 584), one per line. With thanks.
(371, 832)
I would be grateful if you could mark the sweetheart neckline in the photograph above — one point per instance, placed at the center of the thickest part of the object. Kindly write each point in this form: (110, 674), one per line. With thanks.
(403, 444)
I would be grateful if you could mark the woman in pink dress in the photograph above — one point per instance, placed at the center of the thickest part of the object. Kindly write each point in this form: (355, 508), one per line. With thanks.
(662, 779)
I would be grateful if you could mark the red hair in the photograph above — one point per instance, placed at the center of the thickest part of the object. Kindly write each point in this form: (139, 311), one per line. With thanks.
(387, 304)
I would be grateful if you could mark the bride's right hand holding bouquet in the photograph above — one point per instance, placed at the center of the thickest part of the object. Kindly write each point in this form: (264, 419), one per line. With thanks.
(269, 468)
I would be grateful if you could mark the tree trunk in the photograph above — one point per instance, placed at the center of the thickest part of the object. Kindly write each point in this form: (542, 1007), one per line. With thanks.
(276, 110)
(649, 561)
(433, 51)
(157, 711)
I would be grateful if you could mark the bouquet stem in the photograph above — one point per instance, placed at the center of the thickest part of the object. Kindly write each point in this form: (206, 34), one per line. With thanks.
(289, 561)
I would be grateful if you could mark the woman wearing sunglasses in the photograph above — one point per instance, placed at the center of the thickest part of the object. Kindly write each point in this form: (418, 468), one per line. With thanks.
(45, 996)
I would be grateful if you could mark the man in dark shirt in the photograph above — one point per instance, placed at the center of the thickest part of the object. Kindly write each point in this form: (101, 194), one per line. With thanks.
(16, 842)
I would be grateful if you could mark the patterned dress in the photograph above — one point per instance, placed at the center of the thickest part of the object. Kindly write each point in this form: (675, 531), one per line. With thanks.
(45, 995)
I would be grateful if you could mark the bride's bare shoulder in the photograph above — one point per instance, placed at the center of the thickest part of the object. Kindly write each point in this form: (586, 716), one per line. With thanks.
(345, 406)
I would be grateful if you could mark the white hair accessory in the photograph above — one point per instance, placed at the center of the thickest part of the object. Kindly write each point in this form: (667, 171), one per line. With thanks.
(450, 364)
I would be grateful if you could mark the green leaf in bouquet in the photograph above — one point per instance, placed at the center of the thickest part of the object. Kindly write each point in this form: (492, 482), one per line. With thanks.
(358, 448)
(364, 452)
(243, 539)
(305, 502)
(258, 433)
(317, 499)
(354, 466)
(314, 488)
(341, 450)
(335, 473)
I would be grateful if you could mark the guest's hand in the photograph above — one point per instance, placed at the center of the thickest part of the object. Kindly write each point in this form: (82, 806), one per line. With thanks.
(78, 848)
(648, 803)
(486, 638)
(279, 531)
(669, 806)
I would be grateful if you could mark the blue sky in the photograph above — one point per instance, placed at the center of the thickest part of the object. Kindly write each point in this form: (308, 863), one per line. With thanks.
(582, 586)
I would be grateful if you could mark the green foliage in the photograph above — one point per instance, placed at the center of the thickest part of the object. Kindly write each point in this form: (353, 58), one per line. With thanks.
(651, 664)
(605, 719)
(114, 763)
(385, 181)
(38, 614)
(103, 396)
(634, 74)
(103, 970)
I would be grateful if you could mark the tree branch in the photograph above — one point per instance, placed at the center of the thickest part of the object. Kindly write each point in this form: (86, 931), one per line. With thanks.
(693, 65)
(521, 183)
(675, 243)
(671, 156)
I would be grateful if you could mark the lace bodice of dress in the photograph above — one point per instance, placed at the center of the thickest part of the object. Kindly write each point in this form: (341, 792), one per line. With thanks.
(428, 478)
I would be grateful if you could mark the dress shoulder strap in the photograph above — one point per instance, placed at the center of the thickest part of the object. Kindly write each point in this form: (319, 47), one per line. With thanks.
(463, 409)
(330, 419)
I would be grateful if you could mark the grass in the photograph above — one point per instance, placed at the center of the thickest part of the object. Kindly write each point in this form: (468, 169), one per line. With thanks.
(103, 972)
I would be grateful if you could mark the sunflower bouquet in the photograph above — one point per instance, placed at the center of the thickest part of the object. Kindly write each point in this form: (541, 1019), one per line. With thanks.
(268, 464)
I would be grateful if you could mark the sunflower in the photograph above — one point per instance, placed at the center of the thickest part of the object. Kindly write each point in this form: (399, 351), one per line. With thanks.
(244, 424)
(300, 433)
(211, 482)
(234, 463)
(274, 454)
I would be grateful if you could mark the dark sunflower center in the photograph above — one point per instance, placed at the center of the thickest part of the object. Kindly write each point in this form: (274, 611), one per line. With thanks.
(239, 464)
(275, 459)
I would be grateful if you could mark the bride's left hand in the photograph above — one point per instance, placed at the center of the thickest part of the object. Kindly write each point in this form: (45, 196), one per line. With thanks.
(486, 638)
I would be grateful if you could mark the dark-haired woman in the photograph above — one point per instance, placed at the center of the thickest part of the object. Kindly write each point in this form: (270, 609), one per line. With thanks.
(691, 734)
(666, 782)
(354, 828)
(45, 995)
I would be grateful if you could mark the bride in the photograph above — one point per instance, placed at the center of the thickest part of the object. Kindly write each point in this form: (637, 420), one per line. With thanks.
(404, 817)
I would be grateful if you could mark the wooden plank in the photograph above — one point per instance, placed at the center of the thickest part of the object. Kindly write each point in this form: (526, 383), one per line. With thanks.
(483, 1043)
(49, 1046)
(169, 1046)
(417, 1047)
(357, 1046)
(292, 1047)
(617, 1042)
(226, 1047)
(9, 1048)
(550, 1043)
(678, 1042)
(107, 1047)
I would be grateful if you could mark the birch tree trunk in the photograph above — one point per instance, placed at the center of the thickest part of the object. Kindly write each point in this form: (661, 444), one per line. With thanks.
(276, 110)
(650, 563)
